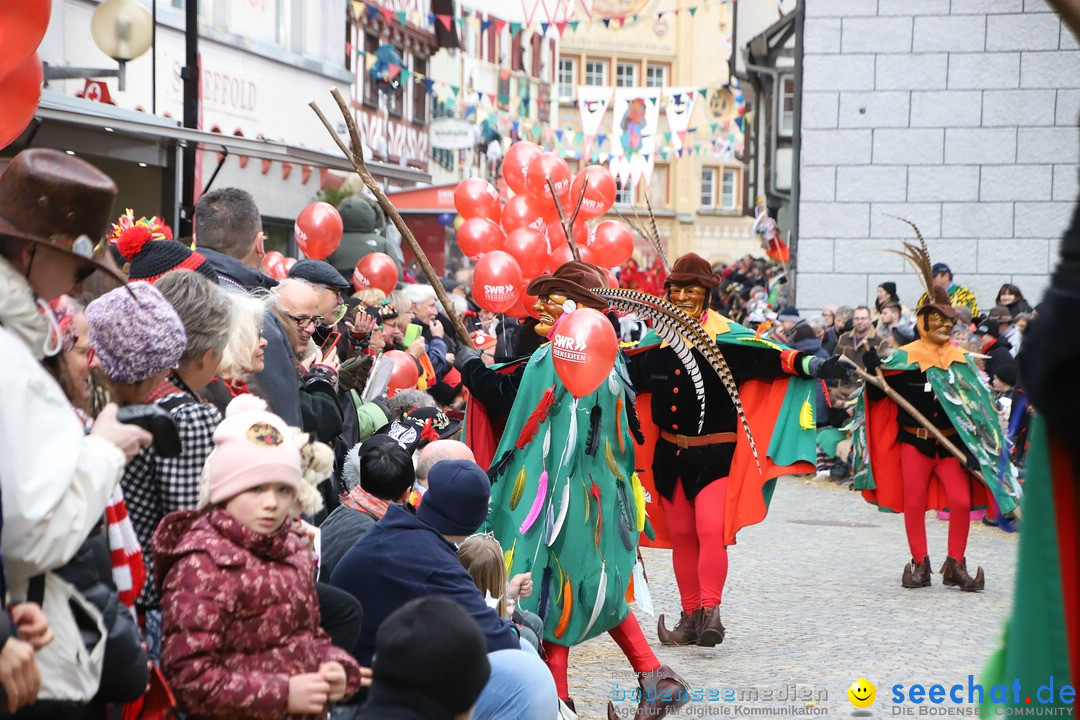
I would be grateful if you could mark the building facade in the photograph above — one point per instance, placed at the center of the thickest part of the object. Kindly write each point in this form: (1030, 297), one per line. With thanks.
(960, 117)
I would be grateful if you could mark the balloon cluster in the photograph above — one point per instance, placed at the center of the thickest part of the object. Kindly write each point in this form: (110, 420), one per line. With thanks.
(515, 242)
(22, 25)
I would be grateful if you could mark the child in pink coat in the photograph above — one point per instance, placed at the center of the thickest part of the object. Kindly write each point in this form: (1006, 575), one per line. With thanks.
(241, 635)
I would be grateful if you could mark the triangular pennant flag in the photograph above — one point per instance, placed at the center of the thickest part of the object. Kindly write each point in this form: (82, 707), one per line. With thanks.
(713, 126)
(370, 60)
(429, 87)
(573, 25)
(479, 96)
(595, 157)
(600, 139)
(692, 10)
(702, 91)
(607, 22)
(394, 71)
(484, 25)
(676, 11)
(536, 132)
(633, 18)
(559, 135)
(388, 14)
(515, 28)
(401, 16)
(431, 19)
(544, 28)
(499, 25)
(561, 27)
(445, 20)
(404, 74)
(660, 15)
(454, 90)
(372, 11)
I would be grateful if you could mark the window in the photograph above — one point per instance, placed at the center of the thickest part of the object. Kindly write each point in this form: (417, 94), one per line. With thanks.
(658, 190)
(728, 187)
(655, 75)
(787, 105)
(708, 187)
(624, 194)
(371, 94)
(395, 101)
(595, 72)
(567, 78)
(626, 74)
(418, 88)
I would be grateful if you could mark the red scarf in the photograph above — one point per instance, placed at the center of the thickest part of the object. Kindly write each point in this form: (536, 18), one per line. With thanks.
(363, 501)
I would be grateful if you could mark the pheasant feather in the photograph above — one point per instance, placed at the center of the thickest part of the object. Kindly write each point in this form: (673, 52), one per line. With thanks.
(625, 534)
(612, 464)
(593, 440)
(537, 504)
(657, 245)
(567, 605)
(598, 603)
(675, 324)
(625, 505)
(532, 424)
(918, 256)
(518, 491)
(560, 518)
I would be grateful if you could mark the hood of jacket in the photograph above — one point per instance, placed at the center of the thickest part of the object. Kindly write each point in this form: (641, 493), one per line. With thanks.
(19, 312)
(233, 272)
(358, 215)
(217, 534)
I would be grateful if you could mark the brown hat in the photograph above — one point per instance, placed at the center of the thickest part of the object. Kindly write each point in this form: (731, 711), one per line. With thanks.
(54, 199)
(942, 304)
(692, 269)
(575, 280)
(999, 313)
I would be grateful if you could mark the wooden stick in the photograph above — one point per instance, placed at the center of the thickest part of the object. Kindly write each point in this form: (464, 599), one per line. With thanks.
(577, 207)
(356, 157)
(878, 381)
(562, 218)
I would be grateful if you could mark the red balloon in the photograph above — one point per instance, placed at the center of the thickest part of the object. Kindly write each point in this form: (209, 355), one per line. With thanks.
(22, 25)
(524, 211)
(612, 244)
(477, 198)
(497, 281)
(526, 301)
(517, 159)
(599, 186)
(405, 374)
(288, 263)
(530, 248)
(548, 165)
(562, 254)
(612, 281)
(379, 270)
(478, 236)
(318, 230)
(20, 92)
(583, 350)
(273, 264)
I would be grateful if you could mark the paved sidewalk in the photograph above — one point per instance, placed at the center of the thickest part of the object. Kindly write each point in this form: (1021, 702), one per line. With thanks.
(814, 601)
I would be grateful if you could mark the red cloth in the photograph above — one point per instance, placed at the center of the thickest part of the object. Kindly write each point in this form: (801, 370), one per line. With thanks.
(627, 635)
(917, 470)
(239, 616)
(1065, 476)
(700, 575)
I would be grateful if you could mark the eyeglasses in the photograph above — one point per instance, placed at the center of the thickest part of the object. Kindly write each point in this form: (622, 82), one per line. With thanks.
(302, 322)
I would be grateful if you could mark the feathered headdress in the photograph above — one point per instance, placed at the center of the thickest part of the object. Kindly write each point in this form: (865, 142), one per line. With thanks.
(158, 230)
(918, 256)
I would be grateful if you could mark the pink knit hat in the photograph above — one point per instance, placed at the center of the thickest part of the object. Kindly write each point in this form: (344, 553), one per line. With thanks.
(252, 446)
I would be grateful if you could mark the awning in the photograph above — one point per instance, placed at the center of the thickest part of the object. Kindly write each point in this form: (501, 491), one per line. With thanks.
(118, 126)
(425, 200)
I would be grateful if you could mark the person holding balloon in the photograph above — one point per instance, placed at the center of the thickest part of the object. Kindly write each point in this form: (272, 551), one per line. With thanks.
(705, 467)
(565, 503)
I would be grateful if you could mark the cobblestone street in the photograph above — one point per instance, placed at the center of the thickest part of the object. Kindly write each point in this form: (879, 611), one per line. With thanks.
(813, 603)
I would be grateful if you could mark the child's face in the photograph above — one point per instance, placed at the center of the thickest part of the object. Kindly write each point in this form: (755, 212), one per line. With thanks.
(263, 508)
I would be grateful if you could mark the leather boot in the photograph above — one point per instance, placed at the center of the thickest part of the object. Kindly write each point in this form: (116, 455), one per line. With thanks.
(684, 633)
(711, 631)
(917, 574)
(662, 691)
(955, 574)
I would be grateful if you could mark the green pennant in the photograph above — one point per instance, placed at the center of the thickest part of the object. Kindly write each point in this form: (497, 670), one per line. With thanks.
(454, 89)
(667, 137)
(405, 73)
(460, 22)
(714, 126)
(702, 91)
(692, 10)
(401, 16)
(515, 28)
(536, 132)
(573, 24)
(595, 157)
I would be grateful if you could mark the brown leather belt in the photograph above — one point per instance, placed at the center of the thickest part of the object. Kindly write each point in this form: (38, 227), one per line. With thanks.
(689, 441)
(924, 434)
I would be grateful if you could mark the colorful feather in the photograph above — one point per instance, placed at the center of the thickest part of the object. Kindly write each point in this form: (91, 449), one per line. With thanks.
(618, 424)
(532, 424)
(571, 441)
(560, 518)
(625, 534)
(612, 463)
(639, 502)
(625, 506)
(508, 557)
(518, 491)
(642, 596)
(500, 465)
(567, 605)
(634, 423)
(593, 440)
(806, 415)
(545, 594)
(598, 603)
(537, 504)
(588, 505)
(595, 492)
(763, 328)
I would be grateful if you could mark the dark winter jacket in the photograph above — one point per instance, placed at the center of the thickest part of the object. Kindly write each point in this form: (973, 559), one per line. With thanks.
(339, 532)
(277, 381)
(359, 220)
(402, 558)
(999, 356)
(239, 616)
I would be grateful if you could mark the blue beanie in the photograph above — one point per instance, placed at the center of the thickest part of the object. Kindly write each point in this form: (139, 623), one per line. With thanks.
(456, 501)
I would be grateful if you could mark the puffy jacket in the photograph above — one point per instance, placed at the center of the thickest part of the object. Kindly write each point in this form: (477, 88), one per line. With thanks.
(359, 220)
(239, 616)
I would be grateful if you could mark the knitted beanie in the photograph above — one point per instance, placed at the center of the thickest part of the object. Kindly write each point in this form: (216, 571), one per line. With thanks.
(149, 259)
(135, 332)
(456, 502)
(252, 446)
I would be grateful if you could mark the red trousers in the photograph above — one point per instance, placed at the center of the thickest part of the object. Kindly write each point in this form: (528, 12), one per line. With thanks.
(695, 526)
(917, 470)
(627, 635)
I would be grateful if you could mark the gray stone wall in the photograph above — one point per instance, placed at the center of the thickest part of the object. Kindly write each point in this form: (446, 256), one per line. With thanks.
(959, 115)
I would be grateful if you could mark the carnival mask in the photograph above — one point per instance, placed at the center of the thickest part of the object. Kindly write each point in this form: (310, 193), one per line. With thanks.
(936, 328)
(691, 299)
(550, 308)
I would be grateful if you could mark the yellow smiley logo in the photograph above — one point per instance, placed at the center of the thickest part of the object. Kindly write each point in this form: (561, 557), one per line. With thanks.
(862, 693)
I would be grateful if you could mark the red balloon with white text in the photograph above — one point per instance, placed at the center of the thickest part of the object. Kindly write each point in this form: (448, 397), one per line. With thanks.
(583, 350)
(318, 230)
(497, 281)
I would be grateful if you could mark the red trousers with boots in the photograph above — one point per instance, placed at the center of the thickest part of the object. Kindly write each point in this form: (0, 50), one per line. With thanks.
(917, 470)
(627, 635)
(694, 525)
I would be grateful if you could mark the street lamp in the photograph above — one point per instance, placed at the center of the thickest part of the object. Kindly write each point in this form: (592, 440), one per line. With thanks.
(123, 30)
